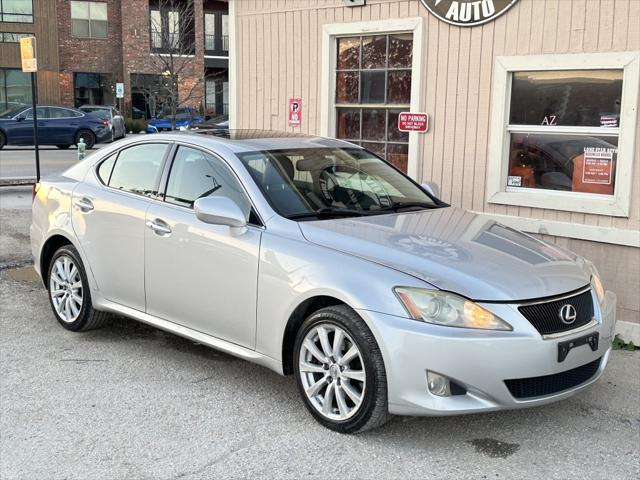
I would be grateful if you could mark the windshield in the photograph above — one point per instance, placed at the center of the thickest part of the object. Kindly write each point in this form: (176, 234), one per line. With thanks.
(12, 111)
(313, 183)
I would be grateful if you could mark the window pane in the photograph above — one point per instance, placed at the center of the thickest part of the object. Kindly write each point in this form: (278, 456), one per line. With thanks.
(137, 169)
(209, 23)
(194, 174)
(80, 10)
(578, 163)
(225, 24)
(348, 53)
(399, 88)
(98, 29)
(80, 28)
(348, 123)
(372, 87)
(98, 11)
(393, 134)
(347, 87)
(373, 122)
(400, 50)
(575, 98)
(398, 154)
(374, 52)
(104, 170)
(17, 86)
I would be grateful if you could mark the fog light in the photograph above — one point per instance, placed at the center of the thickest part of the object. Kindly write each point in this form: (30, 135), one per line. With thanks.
(438, 385)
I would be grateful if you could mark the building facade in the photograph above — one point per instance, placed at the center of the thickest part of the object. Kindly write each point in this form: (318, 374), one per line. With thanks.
(533, 110)
(85, 47)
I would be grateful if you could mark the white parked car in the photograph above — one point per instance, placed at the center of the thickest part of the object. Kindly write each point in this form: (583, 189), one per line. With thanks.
(314, 257)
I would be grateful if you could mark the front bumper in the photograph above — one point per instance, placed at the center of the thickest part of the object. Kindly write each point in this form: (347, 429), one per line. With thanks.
(478, 360)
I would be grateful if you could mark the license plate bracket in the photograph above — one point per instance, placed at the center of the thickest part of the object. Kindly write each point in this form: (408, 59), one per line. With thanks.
(565, 347)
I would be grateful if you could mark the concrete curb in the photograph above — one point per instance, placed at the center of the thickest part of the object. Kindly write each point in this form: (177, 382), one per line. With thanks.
(17, 181)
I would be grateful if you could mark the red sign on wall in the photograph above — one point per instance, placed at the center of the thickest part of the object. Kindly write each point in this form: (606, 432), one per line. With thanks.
(413, 122)
(295, 112)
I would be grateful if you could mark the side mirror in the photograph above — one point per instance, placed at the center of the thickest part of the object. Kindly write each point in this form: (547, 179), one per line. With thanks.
(219, 211)
(21, 118)
(432, 188)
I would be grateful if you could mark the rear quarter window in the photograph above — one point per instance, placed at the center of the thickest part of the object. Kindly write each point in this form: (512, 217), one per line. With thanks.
(105, 168)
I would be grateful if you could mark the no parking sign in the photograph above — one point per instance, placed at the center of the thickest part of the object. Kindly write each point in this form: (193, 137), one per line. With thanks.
(295, 112)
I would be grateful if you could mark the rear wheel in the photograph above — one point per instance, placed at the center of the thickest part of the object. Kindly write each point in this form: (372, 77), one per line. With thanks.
(63, 147)
(3, 139)
(88, 136)
(69, 294)
(340, 371)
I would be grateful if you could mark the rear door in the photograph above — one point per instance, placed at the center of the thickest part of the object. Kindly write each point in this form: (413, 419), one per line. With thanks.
(108, 215)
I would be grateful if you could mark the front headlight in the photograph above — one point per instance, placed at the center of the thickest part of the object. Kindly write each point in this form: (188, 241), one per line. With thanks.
(442, 308)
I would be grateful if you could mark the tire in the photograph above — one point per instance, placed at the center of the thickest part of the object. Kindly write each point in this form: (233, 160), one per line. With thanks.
(3, 140)
(363, 403)
(88, 136)
(83, 317)
(63, 147)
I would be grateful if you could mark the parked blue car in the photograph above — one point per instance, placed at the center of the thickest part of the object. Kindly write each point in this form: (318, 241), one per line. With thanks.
(59, 126)
(185, 118)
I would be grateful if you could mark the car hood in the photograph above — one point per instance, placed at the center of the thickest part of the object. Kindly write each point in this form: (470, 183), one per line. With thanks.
(457, 251)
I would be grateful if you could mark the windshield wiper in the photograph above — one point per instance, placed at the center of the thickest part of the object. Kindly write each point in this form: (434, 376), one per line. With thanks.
(328, 213)
(397, 206)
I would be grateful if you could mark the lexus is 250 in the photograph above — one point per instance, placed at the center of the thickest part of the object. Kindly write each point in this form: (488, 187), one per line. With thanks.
(315, 258)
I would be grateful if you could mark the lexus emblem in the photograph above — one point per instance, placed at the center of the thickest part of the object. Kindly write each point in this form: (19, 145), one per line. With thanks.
(568, 314)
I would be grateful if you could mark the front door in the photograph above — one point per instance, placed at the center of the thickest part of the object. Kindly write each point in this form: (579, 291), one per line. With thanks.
(108, 217)
(199, 275)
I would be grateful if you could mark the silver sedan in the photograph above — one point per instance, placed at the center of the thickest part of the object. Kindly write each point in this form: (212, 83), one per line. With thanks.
(315, 258)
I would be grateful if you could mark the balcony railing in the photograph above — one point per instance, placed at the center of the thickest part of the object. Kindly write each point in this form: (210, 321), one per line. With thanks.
(170, 42)
(213, 43)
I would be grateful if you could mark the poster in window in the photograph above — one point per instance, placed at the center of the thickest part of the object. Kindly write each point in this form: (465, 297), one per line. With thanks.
(598, 166)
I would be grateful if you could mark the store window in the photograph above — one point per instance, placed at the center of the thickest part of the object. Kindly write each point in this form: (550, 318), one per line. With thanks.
(373, 85)
(15, 88)
(89, 19)
(92, 89)
(556, 157)
(11, 37)
(16, 11)
(561, 138)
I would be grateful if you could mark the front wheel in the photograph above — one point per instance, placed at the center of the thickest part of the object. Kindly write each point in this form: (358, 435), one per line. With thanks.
(69, 294)
(340, 372)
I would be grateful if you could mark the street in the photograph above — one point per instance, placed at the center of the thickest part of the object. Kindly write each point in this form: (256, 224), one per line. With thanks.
(16, 162)
(130, 401)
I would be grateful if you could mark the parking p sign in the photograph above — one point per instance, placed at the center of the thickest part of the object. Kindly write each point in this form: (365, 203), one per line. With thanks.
(295, 112)
(119, 90)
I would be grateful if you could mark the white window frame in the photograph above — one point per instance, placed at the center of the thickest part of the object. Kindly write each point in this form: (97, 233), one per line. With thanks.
(618, 204)
(331, 32)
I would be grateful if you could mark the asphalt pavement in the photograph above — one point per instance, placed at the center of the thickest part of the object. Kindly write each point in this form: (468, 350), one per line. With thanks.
(17, 162)
(129, 401)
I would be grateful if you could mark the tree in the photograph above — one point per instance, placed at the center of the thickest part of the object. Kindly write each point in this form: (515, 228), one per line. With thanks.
(172, 41)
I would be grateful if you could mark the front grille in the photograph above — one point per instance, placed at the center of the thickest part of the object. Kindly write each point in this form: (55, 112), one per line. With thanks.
(545, 317)
(550, 384)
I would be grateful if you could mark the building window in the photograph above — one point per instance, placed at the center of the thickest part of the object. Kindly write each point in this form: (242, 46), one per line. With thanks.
(172, 31)
(209, 31)
(17, 11)
(92, 89)
(89, 19)
(373, 85)
(216, 32)
(15, 88)
(11, 37)
(562, 146)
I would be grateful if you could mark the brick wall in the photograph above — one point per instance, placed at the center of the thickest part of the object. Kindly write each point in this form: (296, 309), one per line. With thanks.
(91, 55)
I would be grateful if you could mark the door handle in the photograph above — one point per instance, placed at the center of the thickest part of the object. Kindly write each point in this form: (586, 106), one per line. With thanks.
(83, 204)
(159, 227)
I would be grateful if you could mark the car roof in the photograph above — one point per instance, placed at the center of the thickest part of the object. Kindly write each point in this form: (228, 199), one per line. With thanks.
(239, 140)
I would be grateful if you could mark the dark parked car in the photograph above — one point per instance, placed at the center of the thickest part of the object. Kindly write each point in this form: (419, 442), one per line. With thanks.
(59, 126)
(115, 118)
(186, 117)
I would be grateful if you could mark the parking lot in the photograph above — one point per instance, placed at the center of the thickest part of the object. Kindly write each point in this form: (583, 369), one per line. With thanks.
(129, 401)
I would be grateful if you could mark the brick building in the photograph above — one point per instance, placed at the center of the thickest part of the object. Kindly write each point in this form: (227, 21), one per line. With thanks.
(86, 47)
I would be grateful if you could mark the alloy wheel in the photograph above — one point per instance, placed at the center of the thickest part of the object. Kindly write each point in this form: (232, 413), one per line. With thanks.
(65, 289)
(332, 372)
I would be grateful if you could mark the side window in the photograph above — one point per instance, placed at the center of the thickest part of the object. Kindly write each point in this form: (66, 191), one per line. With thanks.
(195, 174)
(59, 113)
(137, 169)
(41, 111)
(105, 168)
